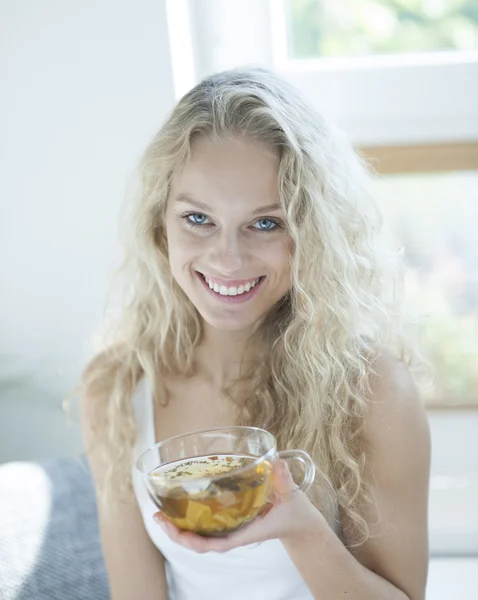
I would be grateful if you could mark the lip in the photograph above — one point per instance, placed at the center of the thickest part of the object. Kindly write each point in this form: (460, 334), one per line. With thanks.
(229, 282)
(231, 299)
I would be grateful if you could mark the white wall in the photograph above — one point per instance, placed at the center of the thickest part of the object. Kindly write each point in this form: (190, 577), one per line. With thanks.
(84, 86)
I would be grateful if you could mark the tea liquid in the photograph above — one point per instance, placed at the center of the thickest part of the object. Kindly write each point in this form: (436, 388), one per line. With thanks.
(186, 496)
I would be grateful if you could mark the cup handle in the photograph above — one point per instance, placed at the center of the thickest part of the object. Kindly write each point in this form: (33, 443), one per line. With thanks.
(307, 462)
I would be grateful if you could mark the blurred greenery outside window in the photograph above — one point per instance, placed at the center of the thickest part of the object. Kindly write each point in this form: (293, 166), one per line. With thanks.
(326, 28)
(434, 218)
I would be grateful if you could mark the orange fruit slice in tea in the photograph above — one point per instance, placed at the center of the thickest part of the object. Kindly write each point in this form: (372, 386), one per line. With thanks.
(226, 519)
(247, 501)
(181, 523)
(198, 515)
(260, 496)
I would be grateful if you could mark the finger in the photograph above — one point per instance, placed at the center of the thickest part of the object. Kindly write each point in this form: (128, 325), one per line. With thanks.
(249, 534)
(284, 484)
(200, 544)
(185, 538)
(254, 532)
(166, 525)
(193, 541)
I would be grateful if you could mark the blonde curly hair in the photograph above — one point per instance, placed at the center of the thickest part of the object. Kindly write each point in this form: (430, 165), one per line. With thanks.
(318, 344)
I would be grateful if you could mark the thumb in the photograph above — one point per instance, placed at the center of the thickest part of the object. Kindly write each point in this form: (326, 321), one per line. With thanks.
(283, 481)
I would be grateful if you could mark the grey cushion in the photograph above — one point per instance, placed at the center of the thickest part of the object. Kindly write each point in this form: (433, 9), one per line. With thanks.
(49, 541)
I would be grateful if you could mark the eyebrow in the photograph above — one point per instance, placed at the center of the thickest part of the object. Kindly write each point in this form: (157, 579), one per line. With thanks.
(261, 209)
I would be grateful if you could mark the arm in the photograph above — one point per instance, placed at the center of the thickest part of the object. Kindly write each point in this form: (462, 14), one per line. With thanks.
(135, 567)
(393, 564)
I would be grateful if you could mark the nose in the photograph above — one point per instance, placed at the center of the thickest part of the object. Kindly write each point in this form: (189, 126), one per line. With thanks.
(228, 254)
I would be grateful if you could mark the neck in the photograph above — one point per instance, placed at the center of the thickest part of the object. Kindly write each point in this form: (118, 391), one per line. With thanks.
(222, 356)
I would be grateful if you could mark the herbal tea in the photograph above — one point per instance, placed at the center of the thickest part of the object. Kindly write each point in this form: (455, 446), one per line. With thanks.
(184, 494)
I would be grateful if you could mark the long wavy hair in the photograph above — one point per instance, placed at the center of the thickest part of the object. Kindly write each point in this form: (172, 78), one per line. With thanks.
(319, 343)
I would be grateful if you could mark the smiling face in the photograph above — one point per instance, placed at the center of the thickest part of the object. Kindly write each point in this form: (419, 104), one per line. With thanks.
(229, 249)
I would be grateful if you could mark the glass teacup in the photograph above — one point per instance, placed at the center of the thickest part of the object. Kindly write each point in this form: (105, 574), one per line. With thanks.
(214, 481)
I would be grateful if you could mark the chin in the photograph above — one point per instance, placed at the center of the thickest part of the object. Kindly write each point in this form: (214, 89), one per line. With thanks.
(228, 325)
(228, 322)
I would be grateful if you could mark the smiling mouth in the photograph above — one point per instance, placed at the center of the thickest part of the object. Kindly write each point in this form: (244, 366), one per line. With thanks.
(232, 291)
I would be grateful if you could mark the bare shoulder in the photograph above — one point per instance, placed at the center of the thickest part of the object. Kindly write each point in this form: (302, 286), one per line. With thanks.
(396, 432)
(396, 441)
(395, 411)
(96, 384)
(97, 378)
(95, 388)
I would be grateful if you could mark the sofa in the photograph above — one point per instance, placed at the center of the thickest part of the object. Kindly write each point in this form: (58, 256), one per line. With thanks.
(49, 540)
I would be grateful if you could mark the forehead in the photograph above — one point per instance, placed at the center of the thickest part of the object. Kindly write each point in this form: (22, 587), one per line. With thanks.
(238, 170)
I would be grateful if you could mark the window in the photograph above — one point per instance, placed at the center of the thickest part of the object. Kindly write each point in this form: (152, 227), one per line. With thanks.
(318, 28)
(434, 217)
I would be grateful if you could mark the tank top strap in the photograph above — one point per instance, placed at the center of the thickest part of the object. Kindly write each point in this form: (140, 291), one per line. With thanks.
(143, 410)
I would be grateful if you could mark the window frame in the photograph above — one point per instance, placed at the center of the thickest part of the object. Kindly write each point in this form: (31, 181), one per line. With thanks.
(398, 99)
(422, 158)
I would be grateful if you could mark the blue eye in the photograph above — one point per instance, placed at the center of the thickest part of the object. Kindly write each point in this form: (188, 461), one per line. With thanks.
(274, 224)
(194, 222)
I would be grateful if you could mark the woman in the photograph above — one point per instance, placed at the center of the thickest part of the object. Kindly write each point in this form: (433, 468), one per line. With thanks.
(259, 296)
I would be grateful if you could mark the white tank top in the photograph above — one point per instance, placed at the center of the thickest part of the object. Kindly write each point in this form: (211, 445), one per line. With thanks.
(254, 572)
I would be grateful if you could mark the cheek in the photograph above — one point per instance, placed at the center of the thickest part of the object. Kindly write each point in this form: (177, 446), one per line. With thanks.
(182, 248)
(183, 240)
(277, 256)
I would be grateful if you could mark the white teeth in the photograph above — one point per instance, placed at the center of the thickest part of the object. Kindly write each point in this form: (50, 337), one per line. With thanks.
(230, 291)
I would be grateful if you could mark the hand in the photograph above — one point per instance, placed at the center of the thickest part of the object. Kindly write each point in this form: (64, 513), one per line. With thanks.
(291, 516)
